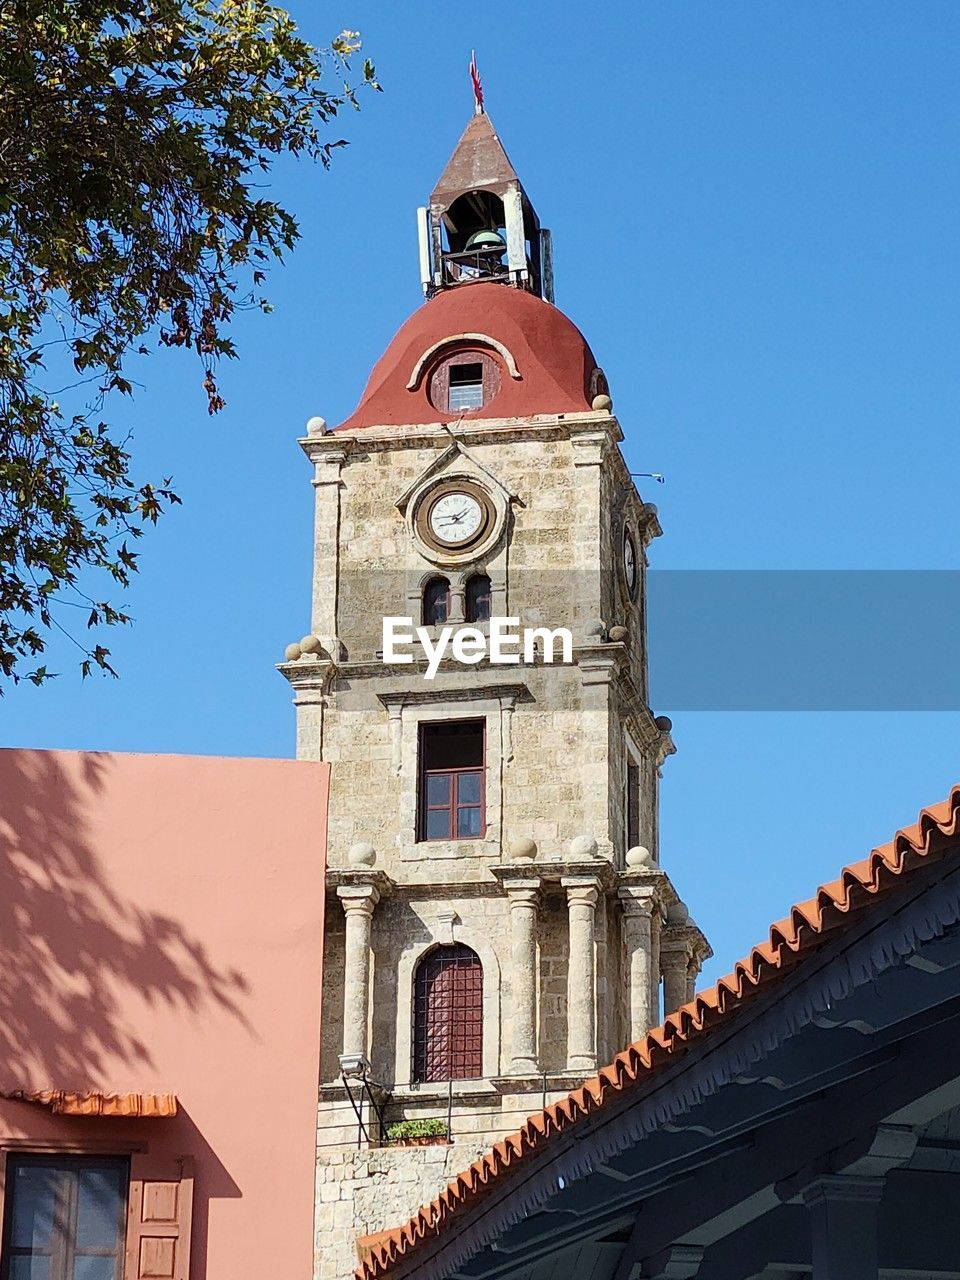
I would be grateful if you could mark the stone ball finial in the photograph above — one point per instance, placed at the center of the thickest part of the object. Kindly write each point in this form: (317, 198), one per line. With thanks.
(291, 653)
(581, 847)
(523, 849)
(361, 854)
(603, 404)
(677, 913)
(638, 857)
(310, 644)
(594, 628)
(663, 723)
(617, 634)
(316, 426)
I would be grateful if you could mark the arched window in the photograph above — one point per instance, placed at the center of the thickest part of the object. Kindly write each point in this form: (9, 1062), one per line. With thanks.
(436, 602)
(448, 1015)
(477, 601)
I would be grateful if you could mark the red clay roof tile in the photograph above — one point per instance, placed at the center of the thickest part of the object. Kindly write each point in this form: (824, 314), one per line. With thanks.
(62, 1103)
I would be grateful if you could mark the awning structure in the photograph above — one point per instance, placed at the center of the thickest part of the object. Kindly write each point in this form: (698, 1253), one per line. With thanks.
(800, 1119)
(127, 1105)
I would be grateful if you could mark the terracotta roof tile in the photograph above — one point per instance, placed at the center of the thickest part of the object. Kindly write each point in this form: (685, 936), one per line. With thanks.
(802, 930)
(62, 1103)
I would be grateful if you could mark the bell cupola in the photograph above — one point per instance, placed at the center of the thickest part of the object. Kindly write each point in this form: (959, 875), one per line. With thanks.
(480, 224)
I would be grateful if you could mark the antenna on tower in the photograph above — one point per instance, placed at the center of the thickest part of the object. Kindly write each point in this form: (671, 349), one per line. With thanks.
(477, 86)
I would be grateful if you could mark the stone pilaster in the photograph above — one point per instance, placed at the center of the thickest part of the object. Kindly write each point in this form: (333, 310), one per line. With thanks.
(583, 893)
(328, 459)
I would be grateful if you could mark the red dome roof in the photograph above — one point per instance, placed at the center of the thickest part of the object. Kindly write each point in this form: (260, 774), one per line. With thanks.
(546, 363)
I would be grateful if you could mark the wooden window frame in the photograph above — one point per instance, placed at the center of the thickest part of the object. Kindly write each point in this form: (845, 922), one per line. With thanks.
(63, 1251)
(438, 383)
(455, 775)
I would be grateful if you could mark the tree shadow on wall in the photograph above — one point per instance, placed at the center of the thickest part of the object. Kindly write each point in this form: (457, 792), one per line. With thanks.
(68, 941)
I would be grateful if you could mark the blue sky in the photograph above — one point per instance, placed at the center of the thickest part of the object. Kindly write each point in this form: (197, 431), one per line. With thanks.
(754, 208)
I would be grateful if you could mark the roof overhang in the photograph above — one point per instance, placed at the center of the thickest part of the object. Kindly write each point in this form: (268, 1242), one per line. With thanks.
(128, 1105)
(839, 1067)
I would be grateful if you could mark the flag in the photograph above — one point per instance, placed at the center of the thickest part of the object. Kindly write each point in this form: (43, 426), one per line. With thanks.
(475, 77)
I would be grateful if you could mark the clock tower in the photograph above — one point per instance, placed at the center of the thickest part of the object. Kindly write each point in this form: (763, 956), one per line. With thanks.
(498, 921)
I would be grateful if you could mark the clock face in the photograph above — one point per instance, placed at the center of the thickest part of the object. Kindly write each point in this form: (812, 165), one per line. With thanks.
(630, 564)
(455, 517)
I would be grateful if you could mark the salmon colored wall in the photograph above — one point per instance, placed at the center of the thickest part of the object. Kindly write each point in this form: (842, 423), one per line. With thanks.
(161, 931)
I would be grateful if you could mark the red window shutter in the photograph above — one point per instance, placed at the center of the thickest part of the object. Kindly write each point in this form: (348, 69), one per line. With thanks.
(160, 1208)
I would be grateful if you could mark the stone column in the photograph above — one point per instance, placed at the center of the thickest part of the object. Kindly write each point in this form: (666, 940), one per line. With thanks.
(693, 972)
(524, 899)
(639, 909)
(358, 901)
(656, 927)
(844, 1211)
(674, 959)
(582, 897)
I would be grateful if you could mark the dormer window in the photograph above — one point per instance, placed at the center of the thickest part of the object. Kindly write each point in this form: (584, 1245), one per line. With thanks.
(464, 382)
(466, 387)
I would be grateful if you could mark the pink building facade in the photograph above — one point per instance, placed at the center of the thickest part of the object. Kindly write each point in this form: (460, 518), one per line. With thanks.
(161, 935)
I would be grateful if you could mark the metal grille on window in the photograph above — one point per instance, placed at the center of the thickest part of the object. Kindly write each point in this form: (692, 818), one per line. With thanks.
(448, 1016)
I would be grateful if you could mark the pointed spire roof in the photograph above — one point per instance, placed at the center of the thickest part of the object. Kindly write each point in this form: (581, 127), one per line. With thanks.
(478, 163)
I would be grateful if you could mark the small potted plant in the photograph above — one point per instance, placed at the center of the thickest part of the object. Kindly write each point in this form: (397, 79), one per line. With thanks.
(417, 1133)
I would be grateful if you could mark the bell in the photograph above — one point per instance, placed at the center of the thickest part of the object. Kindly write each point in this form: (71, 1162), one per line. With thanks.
(487, 239)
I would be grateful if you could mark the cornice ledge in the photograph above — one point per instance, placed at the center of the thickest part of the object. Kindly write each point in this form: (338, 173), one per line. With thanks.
(556, 870)
(601, 663)
(327, 448)
(513, 691)
(652, 882)
(308, 672)
(416, 434)
(687, 937)
(360, 877)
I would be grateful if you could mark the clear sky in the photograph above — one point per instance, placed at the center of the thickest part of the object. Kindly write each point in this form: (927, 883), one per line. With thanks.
(755, 212)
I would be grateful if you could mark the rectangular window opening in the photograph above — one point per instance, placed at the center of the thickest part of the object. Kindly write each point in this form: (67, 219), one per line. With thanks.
(64, 1217)
(466, 387)
(451, 777)
(633, 804)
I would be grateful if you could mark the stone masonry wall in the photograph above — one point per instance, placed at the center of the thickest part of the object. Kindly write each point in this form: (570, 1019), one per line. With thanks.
(555, 769)
(363, 1192)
